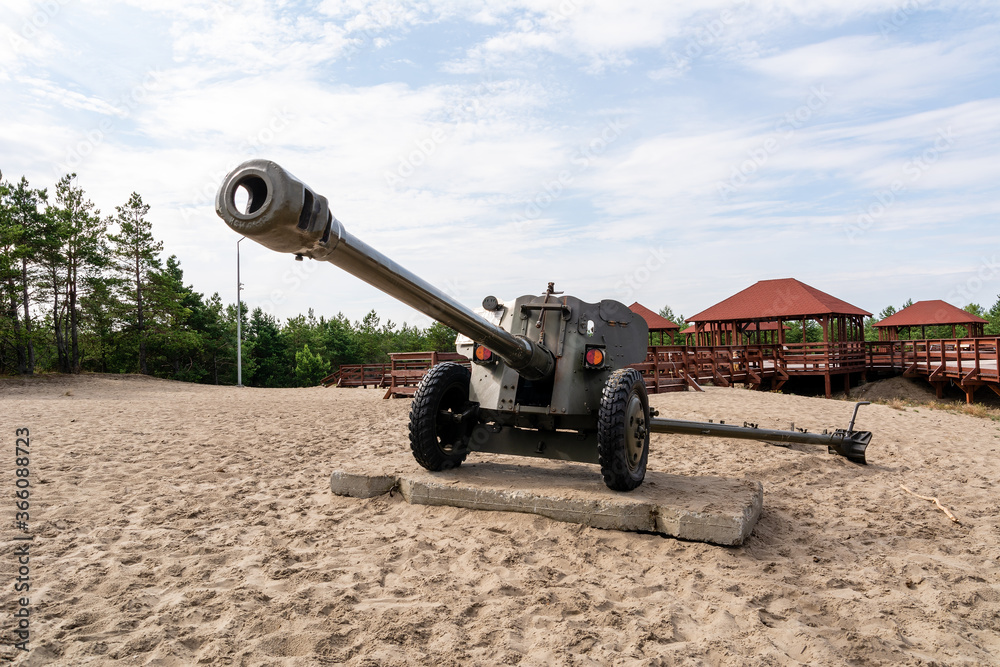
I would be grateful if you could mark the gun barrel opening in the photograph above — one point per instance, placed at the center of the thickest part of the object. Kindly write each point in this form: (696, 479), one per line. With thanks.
(248, 194)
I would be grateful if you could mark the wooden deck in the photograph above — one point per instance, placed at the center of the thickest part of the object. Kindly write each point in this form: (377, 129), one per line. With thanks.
(970, 363)
(676, 367)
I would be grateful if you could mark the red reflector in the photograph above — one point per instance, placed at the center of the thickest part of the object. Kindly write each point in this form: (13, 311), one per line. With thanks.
(483, 353)
(595, 357)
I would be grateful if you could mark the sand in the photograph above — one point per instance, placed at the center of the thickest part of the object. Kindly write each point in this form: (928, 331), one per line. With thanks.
(179, 524)
(905, 389)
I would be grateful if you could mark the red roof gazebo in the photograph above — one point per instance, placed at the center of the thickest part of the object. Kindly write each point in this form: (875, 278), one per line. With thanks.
(841, 351)
(654, 321)
(931, 313)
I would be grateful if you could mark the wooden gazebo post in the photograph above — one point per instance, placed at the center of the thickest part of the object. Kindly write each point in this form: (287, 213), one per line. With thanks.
(825, 323)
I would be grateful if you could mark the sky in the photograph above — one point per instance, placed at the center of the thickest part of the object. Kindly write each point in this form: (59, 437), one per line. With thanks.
(671, 153)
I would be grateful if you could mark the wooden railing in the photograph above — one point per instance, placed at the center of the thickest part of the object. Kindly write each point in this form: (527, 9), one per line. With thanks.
(679, 367)
(964, 359)
(961, 358)
(820, 357)
(666, 369)
(884, 356)
(360, 375)
(408, 368)
(332, 379)
(968, 362)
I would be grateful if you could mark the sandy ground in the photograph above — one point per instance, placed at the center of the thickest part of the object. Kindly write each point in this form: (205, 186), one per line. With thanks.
(907, 389)
(177, 525)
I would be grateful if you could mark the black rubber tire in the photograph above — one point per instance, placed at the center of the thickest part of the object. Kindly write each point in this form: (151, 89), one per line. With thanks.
(622, 440)
(436, 443)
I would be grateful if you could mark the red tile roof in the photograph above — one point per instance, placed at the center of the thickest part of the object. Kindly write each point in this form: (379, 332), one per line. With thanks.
(655, 322)
(924, 313)
(773, 299)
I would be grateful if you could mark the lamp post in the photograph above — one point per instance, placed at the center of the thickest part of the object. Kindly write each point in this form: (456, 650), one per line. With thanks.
(239, 320)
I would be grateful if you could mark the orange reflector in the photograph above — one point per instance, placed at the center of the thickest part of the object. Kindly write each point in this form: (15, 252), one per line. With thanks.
(483, 353)
(595, 357)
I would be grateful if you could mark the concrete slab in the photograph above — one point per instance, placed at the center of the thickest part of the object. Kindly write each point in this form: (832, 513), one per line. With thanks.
(360, 486)
(716, 510)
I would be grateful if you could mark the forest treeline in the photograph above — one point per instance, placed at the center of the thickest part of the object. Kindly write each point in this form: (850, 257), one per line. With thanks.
(81, 291)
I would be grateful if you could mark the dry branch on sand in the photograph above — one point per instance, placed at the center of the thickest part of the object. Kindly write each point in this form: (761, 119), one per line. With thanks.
(933, 500)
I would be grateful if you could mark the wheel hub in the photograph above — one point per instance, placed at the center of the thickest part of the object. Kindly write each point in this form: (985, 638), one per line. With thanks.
(635, 432)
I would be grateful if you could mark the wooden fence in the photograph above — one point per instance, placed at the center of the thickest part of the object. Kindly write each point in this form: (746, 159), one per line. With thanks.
(820, 358)
(358, 375)
(408, 368)
(678, 367)
(969, 363)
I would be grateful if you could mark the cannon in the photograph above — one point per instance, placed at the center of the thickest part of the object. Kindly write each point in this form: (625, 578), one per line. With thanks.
(550, 373)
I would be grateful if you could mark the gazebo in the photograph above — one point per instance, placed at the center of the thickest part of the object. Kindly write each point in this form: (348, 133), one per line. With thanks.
(933, 313)
(841, 351)
(656, 323)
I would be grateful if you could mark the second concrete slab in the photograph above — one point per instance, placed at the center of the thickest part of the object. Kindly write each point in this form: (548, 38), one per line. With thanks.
(717, 510)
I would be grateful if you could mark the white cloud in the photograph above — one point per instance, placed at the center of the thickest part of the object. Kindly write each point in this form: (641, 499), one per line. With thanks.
(607, 35)
(70, 99)
(865, 71)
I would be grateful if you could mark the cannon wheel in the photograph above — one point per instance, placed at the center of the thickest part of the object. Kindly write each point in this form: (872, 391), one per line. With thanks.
(623, 430)
(437, 432)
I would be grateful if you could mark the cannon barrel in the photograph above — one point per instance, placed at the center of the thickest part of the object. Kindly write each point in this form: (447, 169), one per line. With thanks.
(282, 213)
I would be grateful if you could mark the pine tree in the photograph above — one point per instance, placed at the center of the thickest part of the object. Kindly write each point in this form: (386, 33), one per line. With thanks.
(51, 282)
(301, 331)
(83, 251)
(10, 236)
(440, 337)
(264, 352)
(309, 368)
(219, 335)
(174, 343)
(993, 315)
(25, 235)
(137, 255)
(871, 333)
(369, 337)
(340, 342)
(668, 313)
(100, 324)
(407, 339)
